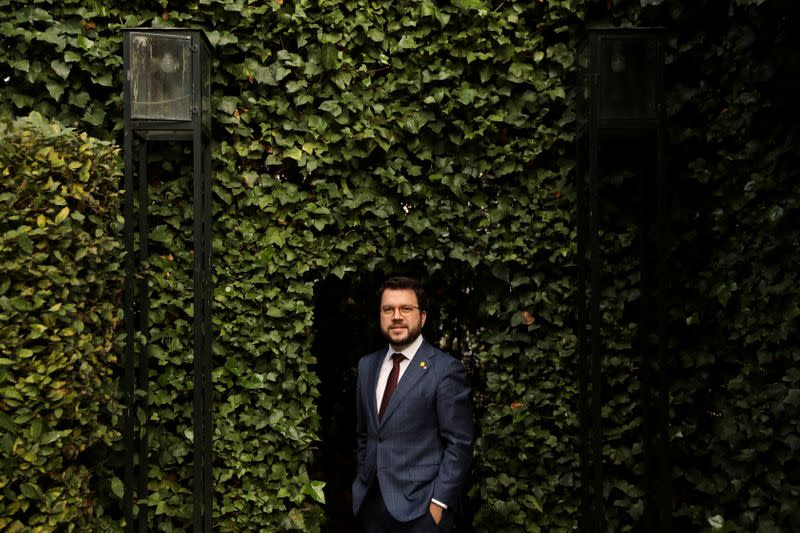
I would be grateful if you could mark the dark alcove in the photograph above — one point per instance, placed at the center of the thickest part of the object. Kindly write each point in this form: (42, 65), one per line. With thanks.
(346, 327)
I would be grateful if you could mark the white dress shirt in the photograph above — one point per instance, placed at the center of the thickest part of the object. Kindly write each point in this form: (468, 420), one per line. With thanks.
(386, 368)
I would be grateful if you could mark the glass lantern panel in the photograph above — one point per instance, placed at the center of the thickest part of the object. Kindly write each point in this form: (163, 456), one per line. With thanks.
(628, 78)
(161, 76)
(583, 94)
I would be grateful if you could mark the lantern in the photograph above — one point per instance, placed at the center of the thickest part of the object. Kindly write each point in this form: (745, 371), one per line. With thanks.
(620, 78)
(620, 184)
(167, 97)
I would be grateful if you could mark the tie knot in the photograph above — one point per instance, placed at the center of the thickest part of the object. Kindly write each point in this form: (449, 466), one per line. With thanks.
(397, 358)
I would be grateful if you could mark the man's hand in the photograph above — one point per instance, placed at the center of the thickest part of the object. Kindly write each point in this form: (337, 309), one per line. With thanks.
(436, 512)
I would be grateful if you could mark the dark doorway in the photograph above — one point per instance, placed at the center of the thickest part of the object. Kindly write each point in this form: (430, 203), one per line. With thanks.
(345, 329)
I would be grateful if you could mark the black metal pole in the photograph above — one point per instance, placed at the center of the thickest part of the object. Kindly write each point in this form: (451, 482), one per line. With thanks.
(144, 329)
(594, 314)
(644, 200)
(197, 415)
(128, 355)
(665, 464)
(583, 356)
(207, 336)
(202, 508)
(153, 127)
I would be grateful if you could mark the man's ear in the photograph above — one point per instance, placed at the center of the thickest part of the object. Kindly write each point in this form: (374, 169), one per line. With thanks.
(422, 316)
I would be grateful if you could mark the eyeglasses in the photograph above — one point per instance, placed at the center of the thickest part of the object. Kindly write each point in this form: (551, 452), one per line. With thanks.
(405, 310)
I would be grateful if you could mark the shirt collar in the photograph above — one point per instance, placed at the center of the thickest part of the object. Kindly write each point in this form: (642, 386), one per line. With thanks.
(409, 352)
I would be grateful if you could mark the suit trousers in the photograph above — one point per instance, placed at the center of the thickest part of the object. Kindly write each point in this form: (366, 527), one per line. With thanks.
(375, 517)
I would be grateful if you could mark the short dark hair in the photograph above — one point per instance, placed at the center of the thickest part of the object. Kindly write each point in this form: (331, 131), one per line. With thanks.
(405, 282)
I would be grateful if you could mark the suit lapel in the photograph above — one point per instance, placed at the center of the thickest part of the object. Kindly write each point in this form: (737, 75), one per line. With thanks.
(375, 371)
(411, 376)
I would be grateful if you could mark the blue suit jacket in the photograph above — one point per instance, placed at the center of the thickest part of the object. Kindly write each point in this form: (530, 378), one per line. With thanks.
(422, 449)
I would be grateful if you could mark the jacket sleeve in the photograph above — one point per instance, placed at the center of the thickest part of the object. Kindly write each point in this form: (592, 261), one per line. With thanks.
(361, 420)
(456, 429)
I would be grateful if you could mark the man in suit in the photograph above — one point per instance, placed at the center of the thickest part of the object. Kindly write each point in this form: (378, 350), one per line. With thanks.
(414, 424)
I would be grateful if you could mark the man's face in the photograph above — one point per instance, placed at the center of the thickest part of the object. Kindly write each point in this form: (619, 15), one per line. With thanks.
(398, 328)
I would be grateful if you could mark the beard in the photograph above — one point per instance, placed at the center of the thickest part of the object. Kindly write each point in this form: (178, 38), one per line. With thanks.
(402, 337)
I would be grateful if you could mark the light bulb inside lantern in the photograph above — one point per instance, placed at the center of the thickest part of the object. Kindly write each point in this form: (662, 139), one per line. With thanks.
(168, 65)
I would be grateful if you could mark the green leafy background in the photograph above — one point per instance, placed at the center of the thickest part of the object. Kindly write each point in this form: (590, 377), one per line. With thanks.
(378, 136)
(60, 297)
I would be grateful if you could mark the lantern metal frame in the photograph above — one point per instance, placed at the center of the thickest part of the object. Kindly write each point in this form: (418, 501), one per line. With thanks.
(606, 119)
(141, 129)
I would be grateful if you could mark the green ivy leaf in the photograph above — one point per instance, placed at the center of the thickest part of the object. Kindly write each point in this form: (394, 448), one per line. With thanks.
(62, 215)
(117, 487)
(330, 57)
(252, 381)
(31, 491)
(469, 4)
(376, 35)
(315, 490)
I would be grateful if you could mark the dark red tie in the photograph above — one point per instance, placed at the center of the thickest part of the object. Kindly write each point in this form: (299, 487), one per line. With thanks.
(391, 383)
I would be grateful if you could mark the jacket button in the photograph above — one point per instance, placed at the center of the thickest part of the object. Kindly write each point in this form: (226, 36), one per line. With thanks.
(380, 439)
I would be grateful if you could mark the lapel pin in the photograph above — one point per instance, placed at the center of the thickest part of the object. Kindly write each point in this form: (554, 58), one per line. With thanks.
(424, 365)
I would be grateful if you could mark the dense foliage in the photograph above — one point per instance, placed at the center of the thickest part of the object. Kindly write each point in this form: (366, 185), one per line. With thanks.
(59, 310)
(369, 137)
(732, 73)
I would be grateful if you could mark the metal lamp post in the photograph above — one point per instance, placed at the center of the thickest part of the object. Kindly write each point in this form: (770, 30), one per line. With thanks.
(167, 96)
(620, 117)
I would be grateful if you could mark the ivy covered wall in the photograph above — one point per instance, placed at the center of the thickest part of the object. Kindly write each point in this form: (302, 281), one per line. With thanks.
(372, 137)
(733, 170)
